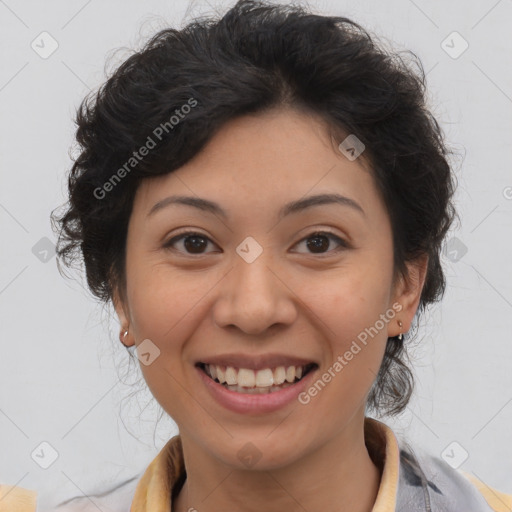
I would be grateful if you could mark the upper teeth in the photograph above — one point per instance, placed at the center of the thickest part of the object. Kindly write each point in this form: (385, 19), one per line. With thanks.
(251, 378)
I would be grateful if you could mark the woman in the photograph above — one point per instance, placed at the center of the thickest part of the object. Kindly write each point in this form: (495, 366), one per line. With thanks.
(264, 199)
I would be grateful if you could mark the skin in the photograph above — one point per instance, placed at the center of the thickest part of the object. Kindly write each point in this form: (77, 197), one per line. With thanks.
(290, 300)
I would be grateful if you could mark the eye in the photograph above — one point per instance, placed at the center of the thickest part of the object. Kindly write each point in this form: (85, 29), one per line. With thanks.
(321, 240)
(193, 242)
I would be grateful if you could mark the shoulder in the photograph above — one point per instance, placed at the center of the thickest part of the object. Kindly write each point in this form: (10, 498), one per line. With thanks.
(431, 484)
(117, 498)
(17, 498)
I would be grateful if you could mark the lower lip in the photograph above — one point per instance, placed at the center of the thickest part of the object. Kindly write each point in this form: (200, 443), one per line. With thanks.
(255, 403)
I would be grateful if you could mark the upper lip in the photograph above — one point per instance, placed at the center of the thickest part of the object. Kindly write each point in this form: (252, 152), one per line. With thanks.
(256, 362)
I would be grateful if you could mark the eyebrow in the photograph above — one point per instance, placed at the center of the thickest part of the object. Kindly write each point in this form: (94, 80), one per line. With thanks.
(289, 208)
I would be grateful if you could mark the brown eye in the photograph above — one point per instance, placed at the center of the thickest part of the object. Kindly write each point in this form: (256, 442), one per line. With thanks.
(196, 243)
(319, 242)
(193, 243)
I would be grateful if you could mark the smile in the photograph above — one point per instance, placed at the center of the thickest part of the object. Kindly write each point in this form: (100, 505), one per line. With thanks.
(252, 381)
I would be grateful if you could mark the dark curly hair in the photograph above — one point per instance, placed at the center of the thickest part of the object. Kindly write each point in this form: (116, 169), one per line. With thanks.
(258, 57)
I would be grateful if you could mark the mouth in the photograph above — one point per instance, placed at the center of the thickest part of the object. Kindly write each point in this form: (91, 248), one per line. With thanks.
(256, 381)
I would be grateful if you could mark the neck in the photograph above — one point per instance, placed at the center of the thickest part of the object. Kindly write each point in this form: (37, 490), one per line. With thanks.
(339, 471)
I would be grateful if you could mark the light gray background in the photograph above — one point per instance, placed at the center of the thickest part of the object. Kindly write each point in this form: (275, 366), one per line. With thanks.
(64, 376)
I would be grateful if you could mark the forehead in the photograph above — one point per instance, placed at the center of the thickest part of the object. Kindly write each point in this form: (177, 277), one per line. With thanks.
(256, 161)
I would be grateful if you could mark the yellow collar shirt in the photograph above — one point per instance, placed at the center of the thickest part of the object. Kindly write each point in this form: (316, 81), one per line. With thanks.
(410, 482)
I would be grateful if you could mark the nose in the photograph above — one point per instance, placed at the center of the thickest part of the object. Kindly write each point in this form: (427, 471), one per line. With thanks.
(254, 297)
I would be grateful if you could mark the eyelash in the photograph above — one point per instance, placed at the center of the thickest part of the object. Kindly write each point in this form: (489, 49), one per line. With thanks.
(328, 234)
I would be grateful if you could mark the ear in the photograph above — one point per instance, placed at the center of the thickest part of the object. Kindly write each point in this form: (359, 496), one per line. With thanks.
(124, 319)
(408, 293)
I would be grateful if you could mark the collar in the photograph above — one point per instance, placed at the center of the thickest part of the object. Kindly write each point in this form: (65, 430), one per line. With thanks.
(165, 475)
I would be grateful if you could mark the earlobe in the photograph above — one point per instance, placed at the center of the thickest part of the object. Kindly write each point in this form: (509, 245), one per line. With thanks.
(123, 337)
(409, 290)
(124, 321)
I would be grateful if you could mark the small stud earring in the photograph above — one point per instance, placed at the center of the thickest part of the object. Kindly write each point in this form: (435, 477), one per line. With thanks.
(122, 336)
(400, 325)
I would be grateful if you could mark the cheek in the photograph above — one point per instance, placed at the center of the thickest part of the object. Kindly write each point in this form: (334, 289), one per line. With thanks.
(163, 316)
(350, 305)
(163, 302)
(350, 310)
(163, 309)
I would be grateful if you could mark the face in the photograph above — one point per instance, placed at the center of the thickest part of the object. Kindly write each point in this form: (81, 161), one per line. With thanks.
(261, 292)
